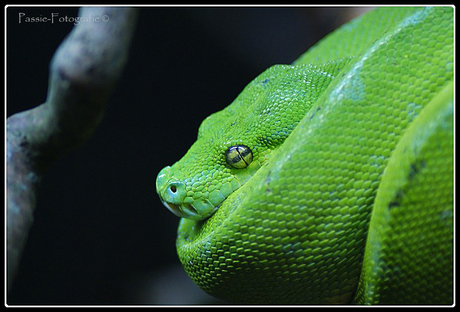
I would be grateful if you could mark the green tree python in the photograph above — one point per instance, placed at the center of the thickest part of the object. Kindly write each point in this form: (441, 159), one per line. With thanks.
(329, 181)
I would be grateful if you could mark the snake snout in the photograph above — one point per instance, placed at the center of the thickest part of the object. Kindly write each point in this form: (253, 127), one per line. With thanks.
(170, 190)
(173, 195)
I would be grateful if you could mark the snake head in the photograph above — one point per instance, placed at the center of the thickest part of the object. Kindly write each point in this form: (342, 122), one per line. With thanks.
(198, 194)
(234, 143)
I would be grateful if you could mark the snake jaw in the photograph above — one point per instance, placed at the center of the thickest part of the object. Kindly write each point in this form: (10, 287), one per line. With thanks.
(173, 208)
(183, 210)
(187, 211)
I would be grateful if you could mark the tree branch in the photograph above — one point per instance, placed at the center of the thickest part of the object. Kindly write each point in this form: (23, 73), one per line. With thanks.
(83, 73)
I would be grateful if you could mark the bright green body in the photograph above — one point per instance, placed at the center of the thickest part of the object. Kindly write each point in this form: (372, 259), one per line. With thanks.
(349, 196)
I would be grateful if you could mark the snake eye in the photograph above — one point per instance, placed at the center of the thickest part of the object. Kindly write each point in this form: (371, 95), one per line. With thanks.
(238, 156)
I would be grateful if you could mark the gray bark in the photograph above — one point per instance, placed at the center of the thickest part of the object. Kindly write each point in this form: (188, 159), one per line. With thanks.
(83, 73)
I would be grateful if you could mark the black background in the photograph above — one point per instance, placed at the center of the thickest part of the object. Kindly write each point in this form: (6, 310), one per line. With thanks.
(100, 234)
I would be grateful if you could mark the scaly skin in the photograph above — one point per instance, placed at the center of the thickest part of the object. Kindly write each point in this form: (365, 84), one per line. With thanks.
(340, 185)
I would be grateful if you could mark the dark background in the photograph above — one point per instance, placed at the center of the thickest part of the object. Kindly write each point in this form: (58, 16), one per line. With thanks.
(100, 234)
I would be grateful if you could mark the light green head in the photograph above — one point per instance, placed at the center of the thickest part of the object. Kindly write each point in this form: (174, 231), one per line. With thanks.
(234, 143)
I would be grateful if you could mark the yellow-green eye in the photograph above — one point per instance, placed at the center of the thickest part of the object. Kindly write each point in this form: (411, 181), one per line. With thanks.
(238, 156)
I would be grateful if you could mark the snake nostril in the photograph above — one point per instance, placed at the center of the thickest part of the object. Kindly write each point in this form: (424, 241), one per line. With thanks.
(174, 192)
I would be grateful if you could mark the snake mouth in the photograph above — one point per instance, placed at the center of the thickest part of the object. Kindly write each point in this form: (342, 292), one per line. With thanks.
(182, 211)
(187, 211)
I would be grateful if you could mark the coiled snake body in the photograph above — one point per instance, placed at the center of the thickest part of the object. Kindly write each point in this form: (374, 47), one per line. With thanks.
(329, 180)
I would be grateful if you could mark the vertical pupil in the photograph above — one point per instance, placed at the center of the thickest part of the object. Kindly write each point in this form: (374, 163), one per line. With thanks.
(238, 156)
(242, 152)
